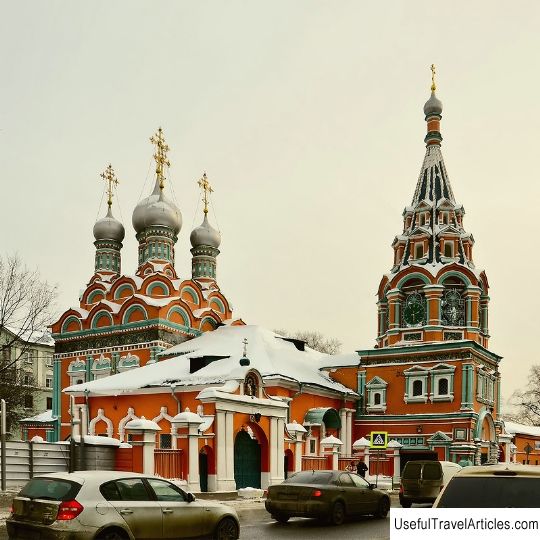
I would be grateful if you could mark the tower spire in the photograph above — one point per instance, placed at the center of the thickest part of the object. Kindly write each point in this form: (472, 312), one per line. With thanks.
(433, 111)
(108, 232)
(204, 184)
(205, 240)
(109, 177)
(160, 156)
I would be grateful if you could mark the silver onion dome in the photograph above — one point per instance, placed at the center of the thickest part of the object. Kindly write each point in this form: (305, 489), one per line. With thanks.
(205, 235)
(433, 105)
(157, 210)
(109, 228)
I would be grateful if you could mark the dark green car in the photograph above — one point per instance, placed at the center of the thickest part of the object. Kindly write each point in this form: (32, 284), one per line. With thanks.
(331, 496)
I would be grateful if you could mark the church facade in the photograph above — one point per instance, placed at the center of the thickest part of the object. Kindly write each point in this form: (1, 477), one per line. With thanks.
(238, 405)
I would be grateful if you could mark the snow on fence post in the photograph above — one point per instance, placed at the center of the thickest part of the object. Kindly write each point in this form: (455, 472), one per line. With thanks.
(143, 442)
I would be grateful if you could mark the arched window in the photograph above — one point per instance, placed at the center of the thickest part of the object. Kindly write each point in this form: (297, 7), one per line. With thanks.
(376, 398)
(417, 388)
(448, 249)
(443, 387)
(453, 302)
(419, 251)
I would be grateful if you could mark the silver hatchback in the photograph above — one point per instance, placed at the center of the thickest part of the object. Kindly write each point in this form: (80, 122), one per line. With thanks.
(109, 505)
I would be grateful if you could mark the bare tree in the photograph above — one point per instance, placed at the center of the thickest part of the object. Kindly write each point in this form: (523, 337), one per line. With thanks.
(314, 339)
(527, 400)
(26, 308)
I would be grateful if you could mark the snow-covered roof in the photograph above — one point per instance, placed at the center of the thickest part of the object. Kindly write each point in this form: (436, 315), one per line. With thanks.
(522, 429)
(272, 357)
(340, 360)
(39, 337)
(40, 418)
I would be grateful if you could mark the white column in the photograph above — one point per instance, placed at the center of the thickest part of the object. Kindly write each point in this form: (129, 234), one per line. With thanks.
(366, 459)
(280, 449)
(76, 420)
(84, 420)
(225, 452)
(193, 449)
(397, 466)
(335, 460)
(229, 441)
(149, 445)
(273, 450)
(349, 433)
(298, 455)
(343, 430)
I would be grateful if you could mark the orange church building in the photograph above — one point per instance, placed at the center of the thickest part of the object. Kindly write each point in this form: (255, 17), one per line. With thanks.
(231, 405)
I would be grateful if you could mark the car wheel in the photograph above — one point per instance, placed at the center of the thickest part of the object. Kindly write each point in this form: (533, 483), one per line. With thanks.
(405, 504)
(112, 534)
(227, 529)
(282, 518)
(384, 508)
(337, 516)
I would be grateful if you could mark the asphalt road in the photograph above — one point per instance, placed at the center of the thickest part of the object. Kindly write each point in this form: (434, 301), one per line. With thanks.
(255, 523)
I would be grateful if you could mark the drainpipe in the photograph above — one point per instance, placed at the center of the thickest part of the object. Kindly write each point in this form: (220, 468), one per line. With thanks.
(173, 387)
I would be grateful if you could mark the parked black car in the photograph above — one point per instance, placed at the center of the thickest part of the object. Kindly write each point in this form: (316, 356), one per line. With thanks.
(326, 495)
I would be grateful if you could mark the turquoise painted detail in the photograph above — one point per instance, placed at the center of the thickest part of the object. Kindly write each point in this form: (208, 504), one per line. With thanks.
(440, 346)
(454, 273)
(323, 415)
(210, 320)
(122, 288)
(161, 285)
(131, 310)
(89, 362)
(69, 320)
(414, 275)
(181, 312)
(93, 294)
(220, 304)
(131, 326)
(98, 315)
(192, 293)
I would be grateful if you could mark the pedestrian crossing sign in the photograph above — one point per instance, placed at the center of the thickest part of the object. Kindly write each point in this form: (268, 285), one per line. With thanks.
(379, 439)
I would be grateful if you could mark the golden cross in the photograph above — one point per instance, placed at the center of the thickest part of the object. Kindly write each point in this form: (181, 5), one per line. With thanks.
(433, 85)
(109, 177)
(204, 184)
(160, 156)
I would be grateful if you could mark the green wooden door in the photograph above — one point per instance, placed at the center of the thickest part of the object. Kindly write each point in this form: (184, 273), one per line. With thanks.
(247, 461)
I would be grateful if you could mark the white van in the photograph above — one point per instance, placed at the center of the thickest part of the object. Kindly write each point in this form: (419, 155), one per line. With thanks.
(449, 468)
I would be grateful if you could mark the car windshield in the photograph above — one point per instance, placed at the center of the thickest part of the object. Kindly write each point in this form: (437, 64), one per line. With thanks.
(310, 477)
(491, 492)
(54, 489)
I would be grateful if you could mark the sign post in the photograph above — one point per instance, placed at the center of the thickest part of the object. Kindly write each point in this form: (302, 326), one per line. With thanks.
(378, 441)
(3, 429)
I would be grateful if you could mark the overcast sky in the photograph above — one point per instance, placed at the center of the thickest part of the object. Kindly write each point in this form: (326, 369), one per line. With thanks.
(307, 117)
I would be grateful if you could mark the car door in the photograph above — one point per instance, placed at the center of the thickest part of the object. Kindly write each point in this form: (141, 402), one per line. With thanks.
(181, 519)
(353, 499)
(369, 498)
(135, 503)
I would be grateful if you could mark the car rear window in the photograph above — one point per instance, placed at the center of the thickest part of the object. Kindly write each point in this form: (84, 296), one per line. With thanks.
(309, 477)
(491, 492)
(412, 470)
(432, 471)
(53, 489)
